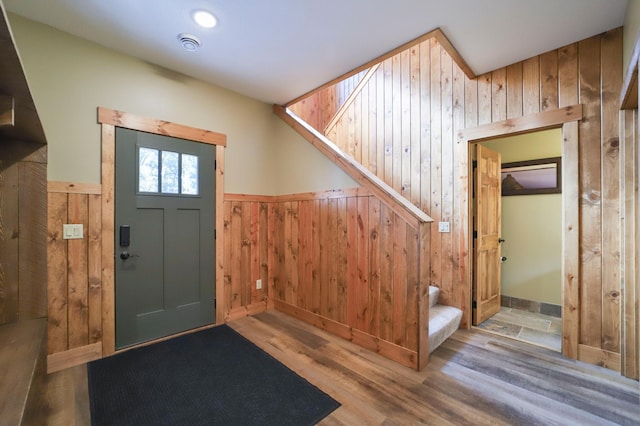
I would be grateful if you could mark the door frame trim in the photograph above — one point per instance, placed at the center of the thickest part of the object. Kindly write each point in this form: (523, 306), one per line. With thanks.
(109, 120)
(567, 119)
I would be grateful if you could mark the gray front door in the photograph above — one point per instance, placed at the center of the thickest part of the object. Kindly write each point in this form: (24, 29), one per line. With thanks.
(164, 236)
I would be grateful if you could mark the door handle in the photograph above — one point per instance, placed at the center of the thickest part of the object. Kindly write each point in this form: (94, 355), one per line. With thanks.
(501, 240)
(503, 259)
(126, 255)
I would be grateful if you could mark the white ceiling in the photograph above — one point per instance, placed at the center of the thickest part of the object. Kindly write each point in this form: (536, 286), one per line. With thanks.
(277, 50)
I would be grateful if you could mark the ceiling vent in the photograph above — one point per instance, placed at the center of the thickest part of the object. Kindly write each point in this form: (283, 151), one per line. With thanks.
(189, 41)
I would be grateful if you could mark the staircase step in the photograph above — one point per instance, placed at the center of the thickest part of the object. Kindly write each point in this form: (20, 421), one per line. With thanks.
(443, 322)
(20, 347)
(434, 293)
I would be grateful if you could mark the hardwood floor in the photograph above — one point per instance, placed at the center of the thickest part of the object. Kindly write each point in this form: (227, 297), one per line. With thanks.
(474, 378)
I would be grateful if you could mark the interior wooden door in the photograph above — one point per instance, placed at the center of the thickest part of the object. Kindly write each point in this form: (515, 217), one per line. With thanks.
(487, 182)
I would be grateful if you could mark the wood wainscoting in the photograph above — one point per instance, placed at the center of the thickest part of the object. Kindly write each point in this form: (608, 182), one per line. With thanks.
(340, 260)
(23, 267)
(74, 330)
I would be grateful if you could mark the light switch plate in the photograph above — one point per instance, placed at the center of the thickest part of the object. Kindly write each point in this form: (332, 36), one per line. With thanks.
(72, 231)
(443, 227)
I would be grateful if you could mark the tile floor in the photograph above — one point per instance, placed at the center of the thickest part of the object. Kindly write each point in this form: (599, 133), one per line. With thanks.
(538, 329)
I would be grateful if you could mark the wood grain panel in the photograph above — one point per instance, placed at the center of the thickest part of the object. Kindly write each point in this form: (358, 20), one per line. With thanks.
(9, 241)
(159, 127)
(94, 268)
(630, 355)
(57, 295)
(108, 241)
(531, 86)
(77, 273)
(74, 272)
(549, 81)
(447, 193)
(611, 57)
(590, 194)
(574, 83)
(246, 256)
(568, 75)
(499, 95)
(514, 90)
(363, 262)
(32, 232)
(571, 241)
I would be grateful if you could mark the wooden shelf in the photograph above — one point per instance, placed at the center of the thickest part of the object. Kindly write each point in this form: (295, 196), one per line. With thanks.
(18, 116)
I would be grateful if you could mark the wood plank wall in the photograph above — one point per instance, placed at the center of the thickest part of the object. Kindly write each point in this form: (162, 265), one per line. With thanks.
(630, 362)
(246, 256)
(341, 260)
(403, 128)
(319, 108)
(74, 267)
(23, 262)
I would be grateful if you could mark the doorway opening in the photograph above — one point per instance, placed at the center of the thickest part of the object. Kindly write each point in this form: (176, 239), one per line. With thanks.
(527, 297)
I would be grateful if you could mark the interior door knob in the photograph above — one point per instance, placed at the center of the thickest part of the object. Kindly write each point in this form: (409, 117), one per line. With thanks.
(125, 255)
(503, 259)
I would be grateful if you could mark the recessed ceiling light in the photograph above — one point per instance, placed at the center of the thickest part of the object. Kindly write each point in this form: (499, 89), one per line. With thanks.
(204, 19)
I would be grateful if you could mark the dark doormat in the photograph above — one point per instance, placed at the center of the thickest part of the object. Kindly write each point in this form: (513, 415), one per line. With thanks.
(211, 377)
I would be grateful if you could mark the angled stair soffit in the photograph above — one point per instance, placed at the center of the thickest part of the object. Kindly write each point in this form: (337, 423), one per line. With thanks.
(412, 214)
(400, 205)
(437, 34)
(629, 93)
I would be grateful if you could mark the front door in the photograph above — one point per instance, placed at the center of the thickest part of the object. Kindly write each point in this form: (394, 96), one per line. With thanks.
(486, 302)
(164, 236)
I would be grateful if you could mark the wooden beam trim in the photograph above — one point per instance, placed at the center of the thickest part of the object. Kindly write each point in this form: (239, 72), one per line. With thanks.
(402, 355)
(347, 103)
(108, 243)
(72, 357)
(455, 55)
(629, 91)
(400, 205)
(159, 127)
(598, 356)
(7, 111)
(571, 242)
(513, 126)
(219, 233)
(246, 311)
(108, 218)
(303, 196)
(74, 188)
(437, 34)
(424, 264)
(250, 198)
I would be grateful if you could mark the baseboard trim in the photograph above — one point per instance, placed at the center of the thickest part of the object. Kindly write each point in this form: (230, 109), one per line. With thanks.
(72, 357)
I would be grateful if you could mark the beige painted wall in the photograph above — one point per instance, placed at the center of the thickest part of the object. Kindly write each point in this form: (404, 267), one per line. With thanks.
(70, 77)
(531, 225)
(301, 162)
(631, 31)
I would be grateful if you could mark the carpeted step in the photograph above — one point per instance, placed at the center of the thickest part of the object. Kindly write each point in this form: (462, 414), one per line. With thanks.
(434, 293)
(443, 322)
